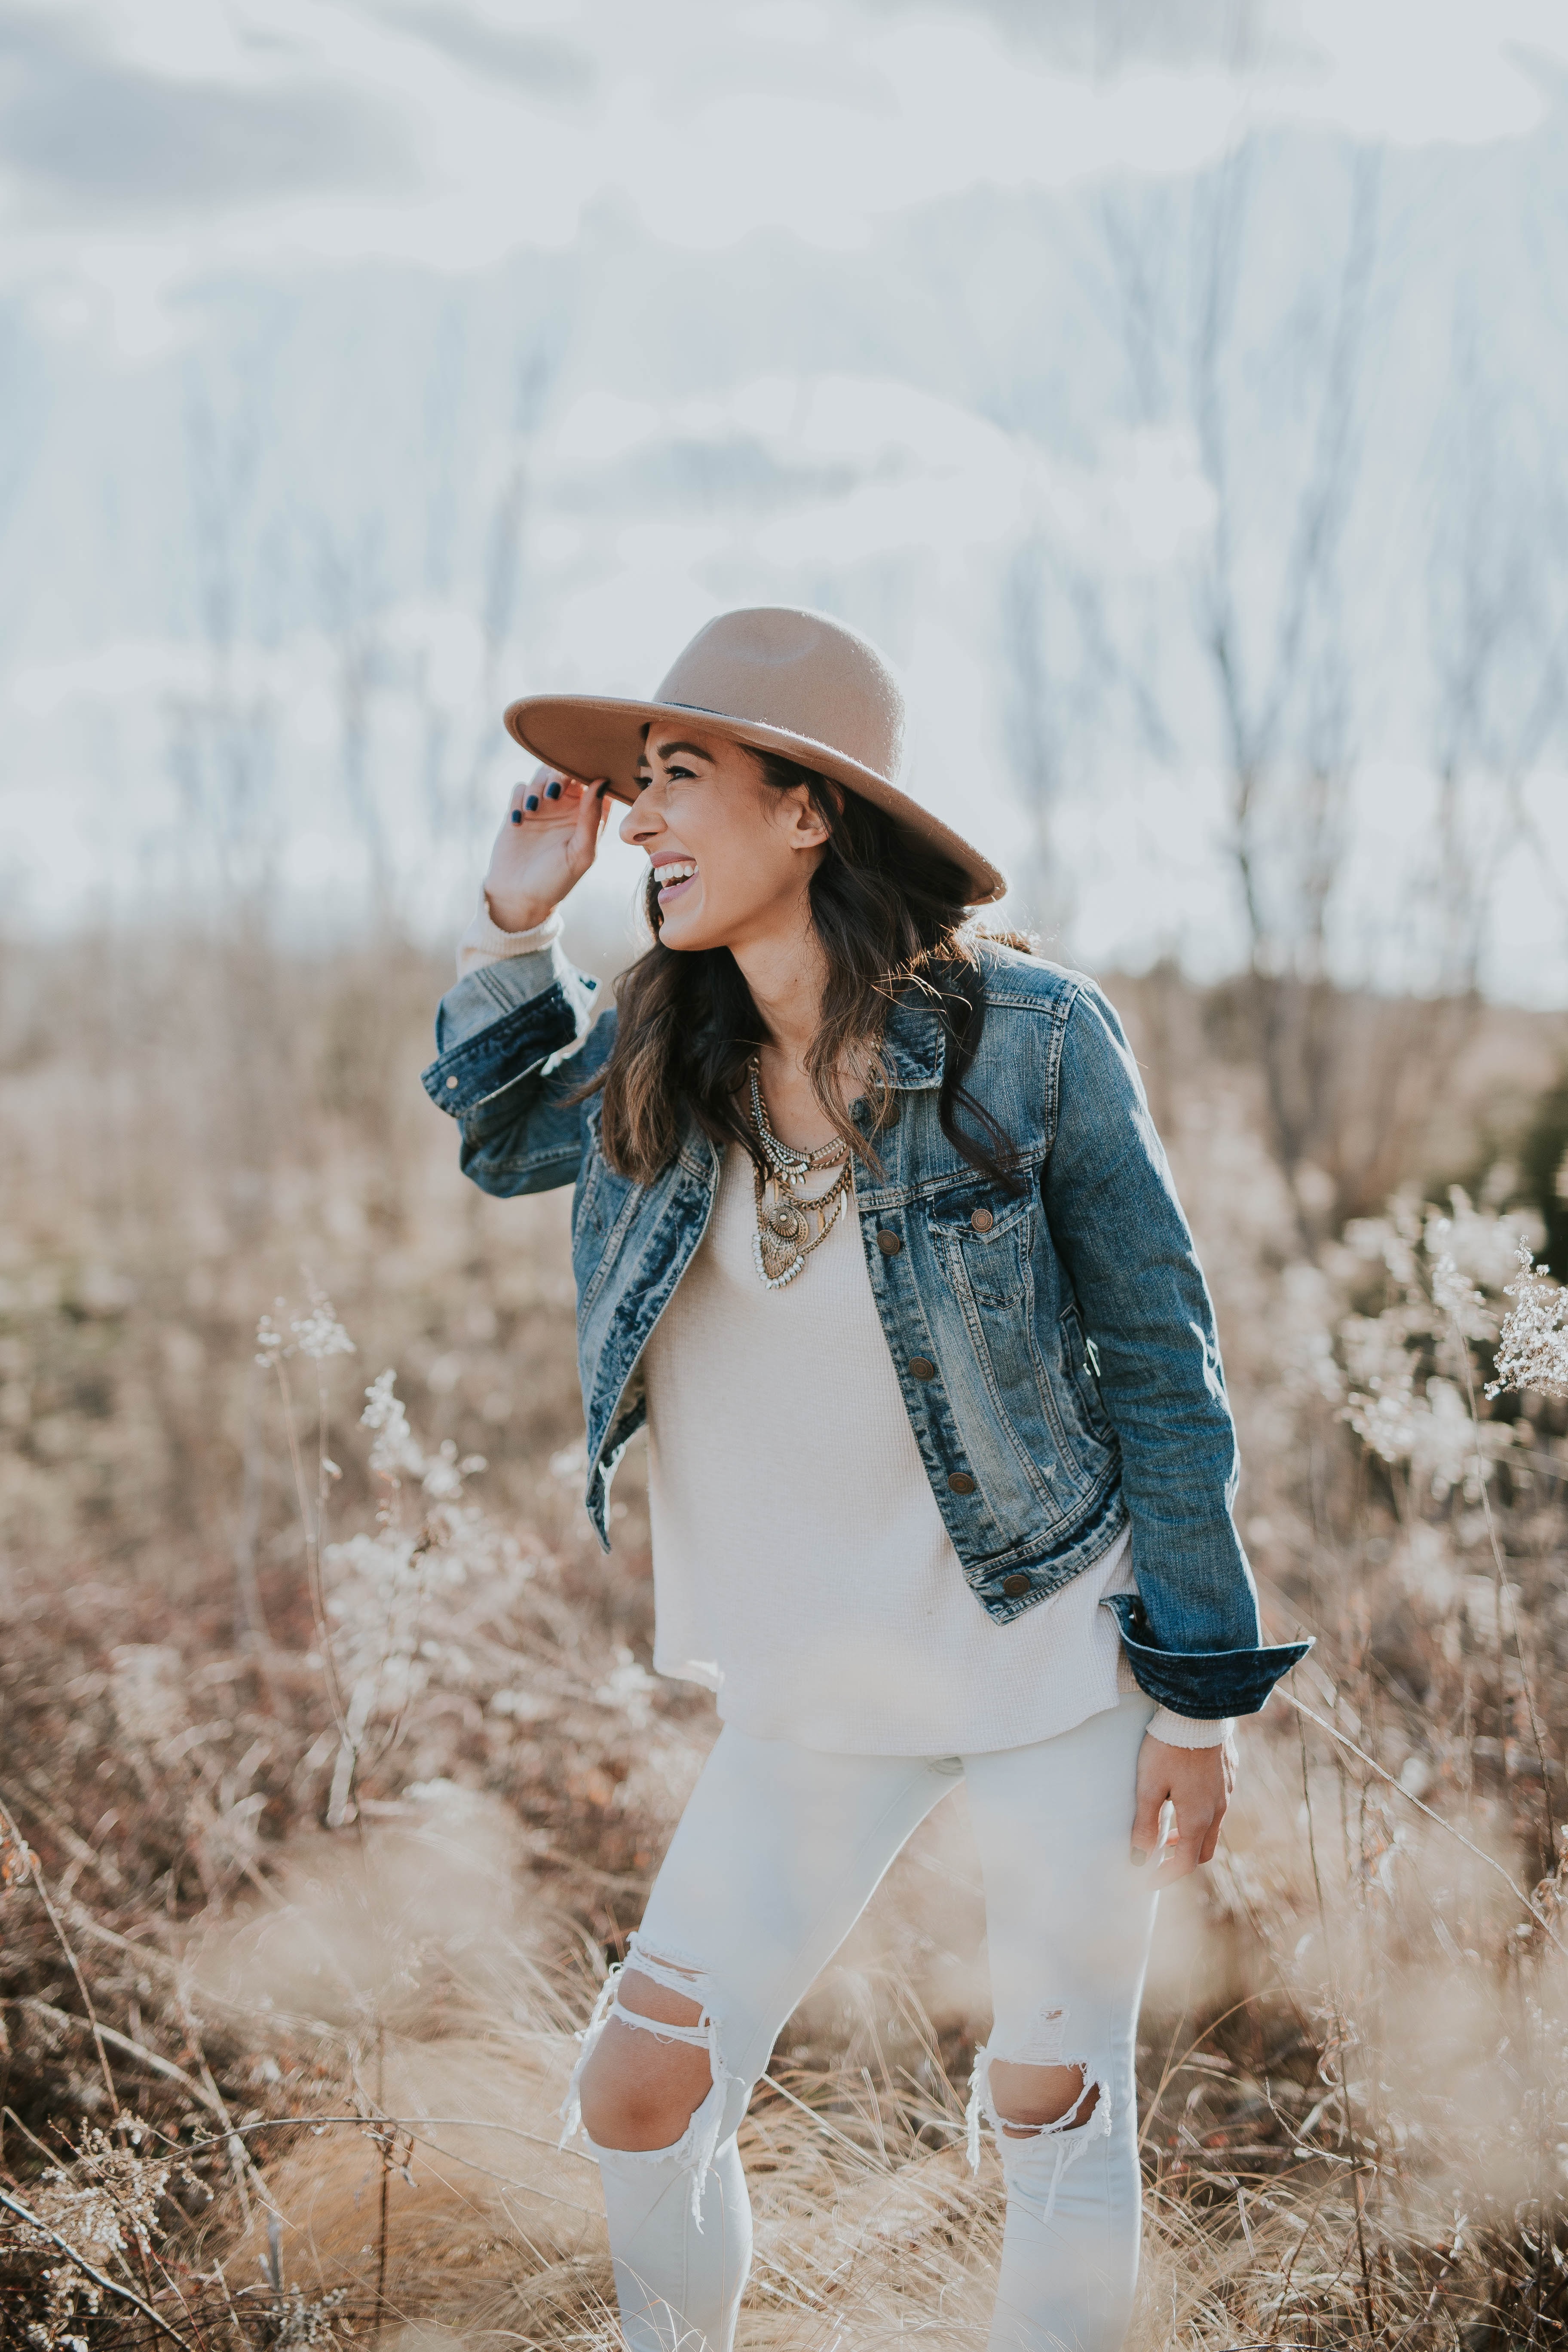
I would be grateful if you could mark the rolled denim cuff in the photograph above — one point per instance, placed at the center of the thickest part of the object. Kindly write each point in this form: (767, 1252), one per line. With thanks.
(486, 1064)
(1204, 1684)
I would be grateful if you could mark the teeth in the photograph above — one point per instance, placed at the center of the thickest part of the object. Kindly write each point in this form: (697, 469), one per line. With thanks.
(665, 874)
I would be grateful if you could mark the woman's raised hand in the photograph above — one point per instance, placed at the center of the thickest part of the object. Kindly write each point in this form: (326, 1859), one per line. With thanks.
(548, 839)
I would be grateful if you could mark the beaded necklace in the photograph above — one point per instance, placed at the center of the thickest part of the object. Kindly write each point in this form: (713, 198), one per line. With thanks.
(790, 1227)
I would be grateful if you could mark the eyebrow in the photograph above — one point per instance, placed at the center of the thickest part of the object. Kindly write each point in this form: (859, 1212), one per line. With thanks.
(693, 750)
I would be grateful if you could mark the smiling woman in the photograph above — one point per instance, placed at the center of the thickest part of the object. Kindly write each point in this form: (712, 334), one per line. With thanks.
(716, 869)
(871, 1230)
(763, 866)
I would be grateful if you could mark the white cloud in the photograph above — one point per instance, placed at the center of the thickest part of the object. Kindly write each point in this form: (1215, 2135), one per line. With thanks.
(710, 125)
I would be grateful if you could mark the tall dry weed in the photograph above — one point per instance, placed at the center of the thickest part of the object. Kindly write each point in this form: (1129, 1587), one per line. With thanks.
(334, 1774)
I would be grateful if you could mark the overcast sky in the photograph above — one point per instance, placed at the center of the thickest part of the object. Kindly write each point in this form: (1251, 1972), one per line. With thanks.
(329, 328)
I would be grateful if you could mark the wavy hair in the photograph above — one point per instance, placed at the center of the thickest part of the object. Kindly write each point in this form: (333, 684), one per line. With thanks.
(889, 911)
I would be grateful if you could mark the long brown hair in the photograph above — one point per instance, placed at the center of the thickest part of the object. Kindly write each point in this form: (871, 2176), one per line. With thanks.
(890, 912)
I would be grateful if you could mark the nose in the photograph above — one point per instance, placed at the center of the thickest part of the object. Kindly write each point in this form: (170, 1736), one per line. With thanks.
(642, 820)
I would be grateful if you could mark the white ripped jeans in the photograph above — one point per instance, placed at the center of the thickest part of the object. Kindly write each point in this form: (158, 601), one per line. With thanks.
(777, 1856)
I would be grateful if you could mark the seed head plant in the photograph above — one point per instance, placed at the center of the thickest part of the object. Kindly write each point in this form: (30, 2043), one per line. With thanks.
(332, 1775)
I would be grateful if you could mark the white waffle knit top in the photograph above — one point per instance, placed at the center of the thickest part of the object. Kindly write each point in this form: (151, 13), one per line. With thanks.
(802, 1569)
(801, 1566)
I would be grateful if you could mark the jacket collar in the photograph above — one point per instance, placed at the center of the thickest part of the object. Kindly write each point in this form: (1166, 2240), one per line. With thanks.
(914, 1045)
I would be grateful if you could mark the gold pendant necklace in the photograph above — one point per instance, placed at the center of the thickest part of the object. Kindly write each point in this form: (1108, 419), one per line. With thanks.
(789, 1228)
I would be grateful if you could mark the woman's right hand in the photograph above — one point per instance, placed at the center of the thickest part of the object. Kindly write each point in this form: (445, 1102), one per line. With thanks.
(548, 839)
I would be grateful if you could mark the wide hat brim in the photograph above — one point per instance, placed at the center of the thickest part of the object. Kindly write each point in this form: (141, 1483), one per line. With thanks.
(590, 735)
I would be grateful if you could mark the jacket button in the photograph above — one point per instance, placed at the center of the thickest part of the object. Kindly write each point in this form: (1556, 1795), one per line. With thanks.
(1015, 1585)
(922, 1367)
(982, 1221)
(888, 1244)
(450, 1083)
(961, 1483)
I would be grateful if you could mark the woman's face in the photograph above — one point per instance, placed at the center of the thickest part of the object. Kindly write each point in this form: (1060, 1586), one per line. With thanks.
(732, 855)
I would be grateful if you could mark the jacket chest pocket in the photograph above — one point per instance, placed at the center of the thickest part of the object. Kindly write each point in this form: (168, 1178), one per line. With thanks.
(984, 1241)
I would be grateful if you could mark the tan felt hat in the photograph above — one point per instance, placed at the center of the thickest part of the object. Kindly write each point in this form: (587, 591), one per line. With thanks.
(791, 682)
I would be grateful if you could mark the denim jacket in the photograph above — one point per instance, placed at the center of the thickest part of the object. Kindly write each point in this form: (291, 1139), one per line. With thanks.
(1078, 1381)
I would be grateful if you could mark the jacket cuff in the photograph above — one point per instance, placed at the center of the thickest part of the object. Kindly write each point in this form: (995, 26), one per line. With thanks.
(1199, 1684)
(495, 1057)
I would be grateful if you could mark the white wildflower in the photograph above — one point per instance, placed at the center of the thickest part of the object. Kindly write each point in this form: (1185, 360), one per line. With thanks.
(1532, 1347)
(1481, 1242)
(443, 1477)
(629, 1689)
(318, 1334)
(1411, 1367)
(396, 1453)
(1432, 1433)
(424, 1604)
(1306, 1340)
(1480, 1601)
(1455, 1295)
(270, 1345)
(103, 2202)
(1394, 1239)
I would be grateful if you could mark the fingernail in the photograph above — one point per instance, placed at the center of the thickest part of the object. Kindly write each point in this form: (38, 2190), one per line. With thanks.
(1138, 1859)
(531, 802)
(552, 792)
(517, 816)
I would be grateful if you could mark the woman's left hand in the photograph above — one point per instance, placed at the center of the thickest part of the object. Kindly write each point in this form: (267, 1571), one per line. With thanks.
(1197, 1783)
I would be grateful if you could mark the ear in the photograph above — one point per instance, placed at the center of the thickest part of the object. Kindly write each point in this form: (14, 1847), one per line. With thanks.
(805, 827)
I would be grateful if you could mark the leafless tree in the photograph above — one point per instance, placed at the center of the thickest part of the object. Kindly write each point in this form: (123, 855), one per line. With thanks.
(1498, 650)
(458, 761)
(354, 600)
(1266, 612)
(1052, 681)
(223, 732)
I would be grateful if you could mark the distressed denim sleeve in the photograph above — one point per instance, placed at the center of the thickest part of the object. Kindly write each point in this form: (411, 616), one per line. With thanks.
(1191, 1633)
(513, 1039)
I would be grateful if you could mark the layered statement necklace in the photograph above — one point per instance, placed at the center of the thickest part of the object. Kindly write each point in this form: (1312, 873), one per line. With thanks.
(789, 1225)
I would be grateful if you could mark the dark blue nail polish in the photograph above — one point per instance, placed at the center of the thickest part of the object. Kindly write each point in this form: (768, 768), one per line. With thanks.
(552, 792)
(531, 803)
(517, 816)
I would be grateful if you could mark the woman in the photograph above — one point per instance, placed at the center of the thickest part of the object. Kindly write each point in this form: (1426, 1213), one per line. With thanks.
(872, 1229)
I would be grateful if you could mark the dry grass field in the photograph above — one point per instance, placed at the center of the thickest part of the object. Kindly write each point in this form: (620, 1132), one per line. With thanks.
(332, 1775)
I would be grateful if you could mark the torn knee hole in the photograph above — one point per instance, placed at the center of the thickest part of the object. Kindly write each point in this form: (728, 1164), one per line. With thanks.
(1062, 2098)
(666, 1993)
(668, 1997)
(639, 1957)
(638, 1995)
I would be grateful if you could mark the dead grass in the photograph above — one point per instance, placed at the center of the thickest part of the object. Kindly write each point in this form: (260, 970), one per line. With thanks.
(1353, 2059)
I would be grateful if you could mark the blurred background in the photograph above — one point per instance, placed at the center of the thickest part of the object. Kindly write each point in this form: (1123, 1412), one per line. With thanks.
(1175, 391)
(1178, 391)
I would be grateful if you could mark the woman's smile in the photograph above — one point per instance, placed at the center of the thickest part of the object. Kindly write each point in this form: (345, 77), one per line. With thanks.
(673, 877)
